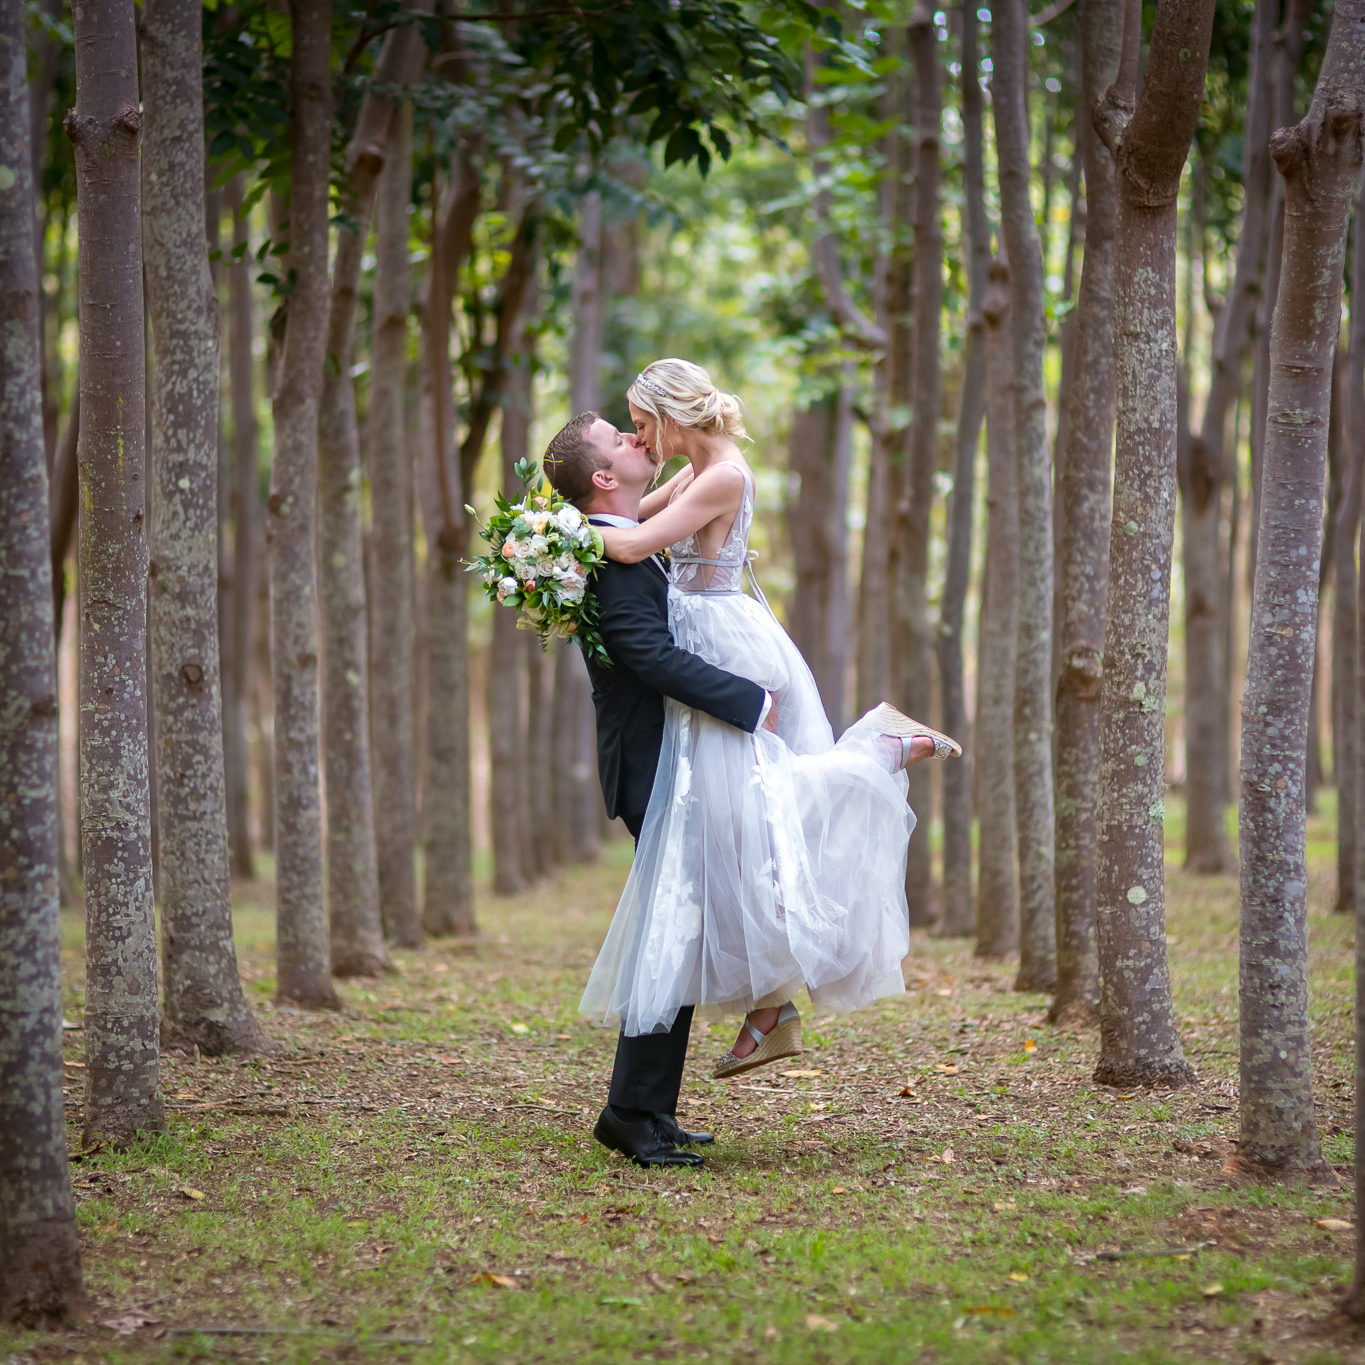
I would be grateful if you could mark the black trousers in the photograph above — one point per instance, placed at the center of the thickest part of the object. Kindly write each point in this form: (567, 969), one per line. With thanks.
(647, 1073)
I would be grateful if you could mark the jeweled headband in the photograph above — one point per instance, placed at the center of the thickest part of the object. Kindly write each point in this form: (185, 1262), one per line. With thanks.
(651, 386)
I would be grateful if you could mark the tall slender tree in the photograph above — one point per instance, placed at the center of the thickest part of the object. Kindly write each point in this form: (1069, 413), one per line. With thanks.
(1139, 1040)
(303, 972)
(1084, 563)
(958, 915)
(237, 633)
(40, 1269)
(390, 468)
(1033, 661)
(123, 1095)
(1203, 475)
(204, 1004)
(447, 894)
(352, 872)
(1320, 161)
(1346, 761)
(997, 889)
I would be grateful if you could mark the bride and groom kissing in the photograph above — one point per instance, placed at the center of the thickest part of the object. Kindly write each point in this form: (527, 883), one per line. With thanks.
(768, 855)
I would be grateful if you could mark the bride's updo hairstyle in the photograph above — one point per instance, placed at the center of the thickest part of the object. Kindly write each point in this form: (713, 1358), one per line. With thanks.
(682, 393)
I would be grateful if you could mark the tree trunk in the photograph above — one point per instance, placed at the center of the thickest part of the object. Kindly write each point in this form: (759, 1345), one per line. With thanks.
(357, 937)
(244, 513)
(914, 661)
(1085, 541)
(1206, 842)
(448, 904)
(958, 917)
(1346, 757)
(506, 681)
(573, 766)
(390, 468)
(1139, 1041)
(819, 456)
(1033, 661)
(304, 967)
(204, 1005)
(1320, 160)
(40, 1269)
(123, 1094)
(997, 895)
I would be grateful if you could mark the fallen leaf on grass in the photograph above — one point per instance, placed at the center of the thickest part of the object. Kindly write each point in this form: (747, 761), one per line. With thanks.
(519, 1028)
(799, 1074)
(1030, 1046)
(770, 1333)
(1333, 1224)
(1212, 1291)
(125, 1324)
(815, 1323)
(946, 1156)
(621, 1301)
(1000, 1205)
(947, 1068)
(1018, 1276)
(838, 1189)
(500, 1281)
(907, 1094)
(191, 1193)
(996, 1308)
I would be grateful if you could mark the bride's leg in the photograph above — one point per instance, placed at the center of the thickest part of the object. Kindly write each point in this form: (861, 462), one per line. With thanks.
(763, 1020)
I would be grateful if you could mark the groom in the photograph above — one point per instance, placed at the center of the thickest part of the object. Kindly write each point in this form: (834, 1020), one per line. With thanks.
(605, 472)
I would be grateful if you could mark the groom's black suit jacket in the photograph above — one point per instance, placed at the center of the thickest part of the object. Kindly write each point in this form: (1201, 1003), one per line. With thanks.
(646, 667)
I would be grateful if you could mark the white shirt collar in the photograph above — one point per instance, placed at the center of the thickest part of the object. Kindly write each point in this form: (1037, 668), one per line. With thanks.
(611, 519)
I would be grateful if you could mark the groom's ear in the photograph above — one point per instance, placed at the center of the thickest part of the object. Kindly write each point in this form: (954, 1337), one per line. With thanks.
(604, 479)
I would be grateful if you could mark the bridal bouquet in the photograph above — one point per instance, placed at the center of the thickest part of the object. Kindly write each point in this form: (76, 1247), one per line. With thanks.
(541, 552)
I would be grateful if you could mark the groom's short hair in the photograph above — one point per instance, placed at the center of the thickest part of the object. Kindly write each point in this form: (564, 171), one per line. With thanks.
(571, 459)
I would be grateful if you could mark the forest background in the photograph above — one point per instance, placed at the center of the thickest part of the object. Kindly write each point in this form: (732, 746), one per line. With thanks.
(289, 286)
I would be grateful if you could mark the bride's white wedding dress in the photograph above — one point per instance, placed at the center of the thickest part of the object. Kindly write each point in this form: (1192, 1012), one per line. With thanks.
(767, 861)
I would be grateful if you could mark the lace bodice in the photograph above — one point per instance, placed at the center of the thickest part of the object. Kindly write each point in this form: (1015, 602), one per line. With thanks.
(690, 571)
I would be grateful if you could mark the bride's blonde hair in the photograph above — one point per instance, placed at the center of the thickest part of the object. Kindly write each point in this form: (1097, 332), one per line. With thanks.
(682, 393)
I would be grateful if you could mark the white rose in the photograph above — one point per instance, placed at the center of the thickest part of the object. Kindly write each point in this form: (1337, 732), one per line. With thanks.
(508, 585)
(584, 536)
(545, 567)
(538, 546)
(570, 519)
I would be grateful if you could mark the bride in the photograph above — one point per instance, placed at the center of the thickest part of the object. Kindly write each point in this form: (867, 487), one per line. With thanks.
(766, 860)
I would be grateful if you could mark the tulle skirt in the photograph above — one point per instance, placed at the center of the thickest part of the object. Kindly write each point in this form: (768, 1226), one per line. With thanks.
(766, 861)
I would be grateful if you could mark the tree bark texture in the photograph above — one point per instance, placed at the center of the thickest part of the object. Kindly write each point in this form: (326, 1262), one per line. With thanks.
(353, 915)
(237, 635)
(447, 905)
(1320, 160)
(997, 894)
(1084, 561)
(1206, 842)
(304, 966)
(915, 661)
(819, 458)
(1139, 1040)
(204, 1006)
(506, 681)
(122, 1091)
(390, 469)
(1346, 757)
(1033, 661)
(958, 912)
(40, 1269)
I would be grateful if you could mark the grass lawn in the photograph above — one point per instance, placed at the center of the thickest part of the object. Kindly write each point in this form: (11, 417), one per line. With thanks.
(935, 1179)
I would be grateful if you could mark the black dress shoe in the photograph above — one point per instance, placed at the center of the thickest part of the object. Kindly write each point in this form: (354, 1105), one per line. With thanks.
(680, 1136)
(640, 1140)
